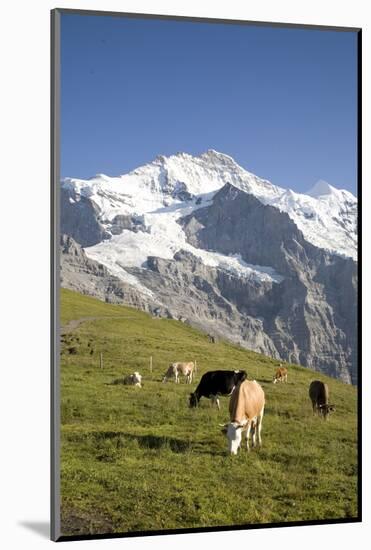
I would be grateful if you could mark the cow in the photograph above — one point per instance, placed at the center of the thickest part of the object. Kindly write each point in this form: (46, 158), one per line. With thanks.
(215, 383)
(281, 375)
(176, 369)
(246, 409)
(319, 395)
(134, 379)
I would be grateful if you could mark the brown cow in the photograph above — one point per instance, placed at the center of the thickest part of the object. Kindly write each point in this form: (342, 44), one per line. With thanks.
(319, 395)
(246, 409)
(281, 375)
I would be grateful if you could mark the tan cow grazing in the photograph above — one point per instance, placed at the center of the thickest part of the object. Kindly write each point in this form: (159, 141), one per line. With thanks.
(134, 379)
(281, 375)
(319, 395)
(246, 409)
(176, 370)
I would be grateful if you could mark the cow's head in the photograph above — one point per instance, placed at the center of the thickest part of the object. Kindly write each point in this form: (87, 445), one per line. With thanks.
(233, 431)
(193, 401)
(326, 409)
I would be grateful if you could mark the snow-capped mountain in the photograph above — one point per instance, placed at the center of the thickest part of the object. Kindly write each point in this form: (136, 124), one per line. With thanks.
(180, 230)
(169, 187)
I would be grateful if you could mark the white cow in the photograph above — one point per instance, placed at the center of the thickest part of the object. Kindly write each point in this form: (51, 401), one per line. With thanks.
(175, 370)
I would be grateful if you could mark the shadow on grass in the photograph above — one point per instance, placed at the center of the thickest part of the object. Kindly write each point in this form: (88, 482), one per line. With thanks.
(175, 445)
(120, 439)
(161, 442)
(147, 441)
(264, 381)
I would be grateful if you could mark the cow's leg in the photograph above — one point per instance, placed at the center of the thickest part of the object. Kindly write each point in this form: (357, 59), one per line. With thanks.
(215, 399)
(253, 433)
(259, 422)
(248, 435)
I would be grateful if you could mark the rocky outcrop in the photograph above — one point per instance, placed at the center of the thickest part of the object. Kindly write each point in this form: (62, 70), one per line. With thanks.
(199, 294)
(79, 273)
(80, 219)
(310, 316)
(122, 222)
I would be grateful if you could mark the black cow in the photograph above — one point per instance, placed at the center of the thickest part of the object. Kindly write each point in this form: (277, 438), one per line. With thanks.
(319, 394)
(215, 383)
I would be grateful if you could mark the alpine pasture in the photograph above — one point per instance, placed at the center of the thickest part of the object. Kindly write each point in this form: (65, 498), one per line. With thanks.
(139, 459)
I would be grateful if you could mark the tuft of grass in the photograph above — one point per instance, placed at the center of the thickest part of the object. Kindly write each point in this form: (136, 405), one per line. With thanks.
(139, 459)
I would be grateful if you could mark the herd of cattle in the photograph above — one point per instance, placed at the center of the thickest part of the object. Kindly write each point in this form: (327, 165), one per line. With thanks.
(247, 398)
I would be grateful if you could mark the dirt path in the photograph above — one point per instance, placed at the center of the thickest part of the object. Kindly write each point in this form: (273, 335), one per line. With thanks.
(75, 323)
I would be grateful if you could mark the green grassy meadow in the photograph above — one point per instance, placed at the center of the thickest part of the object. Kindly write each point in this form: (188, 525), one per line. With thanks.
(139, 459)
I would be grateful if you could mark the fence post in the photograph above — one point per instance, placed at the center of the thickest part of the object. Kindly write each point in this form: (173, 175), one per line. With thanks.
(150, 365)
(101, 360)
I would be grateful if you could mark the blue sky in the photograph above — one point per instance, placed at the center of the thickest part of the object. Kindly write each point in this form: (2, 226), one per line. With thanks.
(281, 102)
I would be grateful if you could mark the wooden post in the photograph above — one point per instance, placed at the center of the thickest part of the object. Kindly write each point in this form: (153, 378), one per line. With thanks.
(101, 360)
(150, 364)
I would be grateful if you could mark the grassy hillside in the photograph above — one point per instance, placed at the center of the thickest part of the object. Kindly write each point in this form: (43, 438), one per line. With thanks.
(140, 459)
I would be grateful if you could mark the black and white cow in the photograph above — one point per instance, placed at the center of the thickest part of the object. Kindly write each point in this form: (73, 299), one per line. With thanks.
(134, 379)
(215, 383)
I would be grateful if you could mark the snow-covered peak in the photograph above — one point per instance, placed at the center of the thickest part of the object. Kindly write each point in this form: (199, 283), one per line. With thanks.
(100, 177)
(166, 180)
(213, 156)
(327, 216)
(321, 188)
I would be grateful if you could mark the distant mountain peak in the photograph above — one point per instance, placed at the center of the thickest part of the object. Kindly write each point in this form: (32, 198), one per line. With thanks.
(321, 188)
(213, 154)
